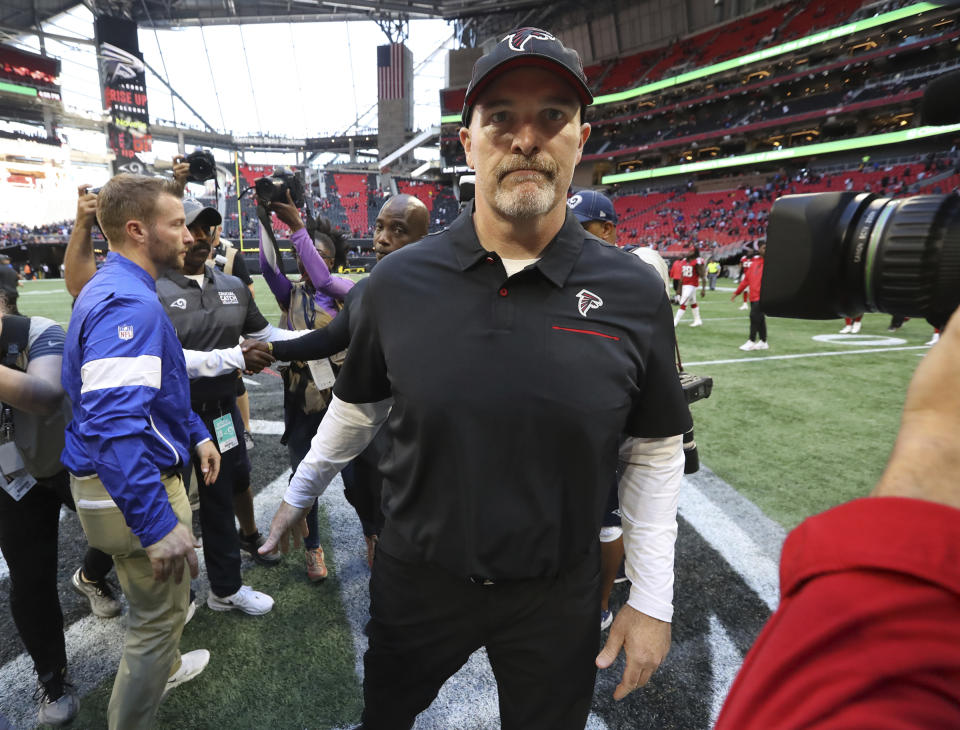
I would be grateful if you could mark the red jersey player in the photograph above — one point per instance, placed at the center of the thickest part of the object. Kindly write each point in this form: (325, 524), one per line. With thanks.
(691, 276)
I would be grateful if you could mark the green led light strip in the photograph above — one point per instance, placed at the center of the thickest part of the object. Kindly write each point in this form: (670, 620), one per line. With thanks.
(821, 148)
(17, 89)
(765, 53)
(761, 55)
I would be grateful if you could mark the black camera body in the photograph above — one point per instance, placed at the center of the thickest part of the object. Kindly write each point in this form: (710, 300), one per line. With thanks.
(835, 255)
(274, 188)
(202, 166)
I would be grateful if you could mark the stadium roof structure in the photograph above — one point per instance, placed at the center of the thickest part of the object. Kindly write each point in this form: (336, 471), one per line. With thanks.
(23, 15)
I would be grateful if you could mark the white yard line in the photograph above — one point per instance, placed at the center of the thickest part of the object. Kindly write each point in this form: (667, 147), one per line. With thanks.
(806, 354)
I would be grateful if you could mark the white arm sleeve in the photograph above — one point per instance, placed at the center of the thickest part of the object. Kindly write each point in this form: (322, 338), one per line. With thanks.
(275, 334)
(649, 493)
(344, 432)
(215, 362)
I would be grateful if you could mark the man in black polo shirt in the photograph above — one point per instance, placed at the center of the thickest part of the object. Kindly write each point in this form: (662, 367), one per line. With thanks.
(516, 356)
(210, 312)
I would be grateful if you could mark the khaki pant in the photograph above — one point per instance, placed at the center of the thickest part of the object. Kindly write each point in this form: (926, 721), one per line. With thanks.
(151, 649)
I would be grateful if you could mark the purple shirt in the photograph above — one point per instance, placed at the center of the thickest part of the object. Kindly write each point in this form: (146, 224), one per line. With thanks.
(329, 289)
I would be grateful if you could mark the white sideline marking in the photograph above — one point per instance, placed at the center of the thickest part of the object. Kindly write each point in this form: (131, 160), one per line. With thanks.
(267, 428)
(805, 354)
(94, 644)
(725, 660)
(733, 544)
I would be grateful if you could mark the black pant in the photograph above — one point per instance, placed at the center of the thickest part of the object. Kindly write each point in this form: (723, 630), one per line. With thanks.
(758, 323)
(28, 540)
(541, 636)
(221, 543)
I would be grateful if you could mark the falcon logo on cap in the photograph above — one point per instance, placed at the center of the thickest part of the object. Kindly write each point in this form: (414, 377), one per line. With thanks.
(587, 300)
(519, 39)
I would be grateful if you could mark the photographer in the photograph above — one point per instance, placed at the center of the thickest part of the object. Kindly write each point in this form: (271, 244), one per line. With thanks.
(867, 634)
(309, 304)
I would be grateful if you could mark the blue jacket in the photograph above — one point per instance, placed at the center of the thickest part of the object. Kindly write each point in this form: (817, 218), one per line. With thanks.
(124, 371)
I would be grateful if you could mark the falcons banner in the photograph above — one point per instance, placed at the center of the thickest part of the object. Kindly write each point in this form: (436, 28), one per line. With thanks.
(124, 84)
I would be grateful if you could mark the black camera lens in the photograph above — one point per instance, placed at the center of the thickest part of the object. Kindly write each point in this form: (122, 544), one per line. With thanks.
(841, 254)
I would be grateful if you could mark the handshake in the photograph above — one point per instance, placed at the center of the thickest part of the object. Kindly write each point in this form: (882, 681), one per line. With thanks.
(256, 355)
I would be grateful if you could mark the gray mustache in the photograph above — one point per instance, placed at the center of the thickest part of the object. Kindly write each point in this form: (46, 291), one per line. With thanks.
(549, 170)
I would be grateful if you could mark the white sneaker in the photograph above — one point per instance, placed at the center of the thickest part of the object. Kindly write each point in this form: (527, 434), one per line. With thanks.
(191, 664)
(935, 339)
(697, 323)
(847, 329)
(744, 306)
(855, 328)
(246, 599)
(761, 345)
(748, 345)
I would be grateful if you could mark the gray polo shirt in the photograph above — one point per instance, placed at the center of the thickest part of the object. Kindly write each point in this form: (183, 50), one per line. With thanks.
(212, 318)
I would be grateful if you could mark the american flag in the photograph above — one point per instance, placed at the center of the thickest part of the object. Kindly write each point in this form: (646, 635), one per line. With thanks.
(390, 71)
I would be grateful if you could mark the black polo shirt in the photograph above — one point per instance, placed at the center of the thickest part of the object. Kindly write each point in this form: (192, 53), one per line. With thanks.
(212, 318)
(511, 395)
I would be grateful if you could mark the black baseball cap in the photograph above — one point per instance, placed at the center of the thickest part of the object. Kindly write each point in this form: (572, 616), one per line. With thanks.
(526, 47)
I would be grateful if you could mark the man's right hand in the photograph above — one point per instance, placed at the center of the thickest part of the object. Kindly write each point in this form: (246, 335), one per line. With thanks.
(168, 554)
(289, 521)
(86, 207)
(256, 355)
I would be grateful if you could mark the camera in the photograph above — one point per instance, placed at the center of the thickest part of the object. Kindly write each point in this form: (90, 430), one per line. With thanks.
(841, 254)
(202, 166)
(274, 188)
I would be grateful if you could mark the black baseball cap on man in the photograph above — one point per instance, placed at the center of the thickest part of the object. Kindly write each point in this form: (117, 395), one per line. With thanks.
(526, 47)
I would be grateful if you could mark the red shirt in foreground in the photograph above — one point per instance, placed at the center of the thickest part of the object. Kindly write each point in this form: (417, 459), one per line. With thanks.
(867, 634)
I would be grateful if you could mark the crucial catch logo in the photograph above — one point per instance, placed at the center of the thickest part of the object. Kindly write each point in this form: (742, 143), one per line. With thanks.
(228, 297)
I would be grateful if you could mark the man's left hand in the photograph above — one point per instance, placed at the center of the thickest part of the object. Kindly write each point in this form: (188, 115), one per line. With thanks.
(645, 640)
(209, 459)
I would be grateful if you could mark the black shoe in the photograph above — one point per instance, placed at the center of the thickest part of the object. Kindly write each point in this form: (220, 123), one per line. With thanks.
(250, 544)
